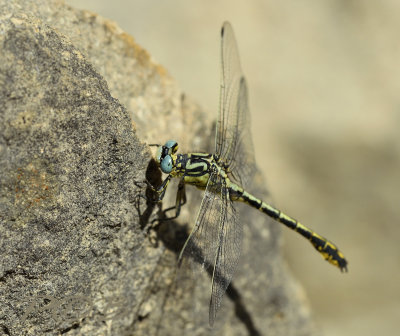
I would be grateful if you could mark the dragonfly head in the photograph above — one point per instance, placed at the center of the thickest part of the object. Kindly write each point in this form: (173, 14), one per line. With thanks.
(165, 156)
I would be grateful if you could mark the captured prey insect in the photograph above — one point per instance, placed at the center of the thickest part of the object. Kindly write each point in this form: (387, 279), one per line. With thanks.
(217, 234)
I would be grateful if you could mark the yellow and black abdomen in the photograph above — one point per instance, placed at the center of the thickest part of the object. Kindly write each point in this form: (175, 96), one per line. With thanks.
(327, 249)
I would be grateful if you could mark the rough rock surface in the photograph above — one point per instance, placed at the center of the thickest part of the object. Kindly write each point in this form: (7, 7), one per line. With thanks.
(78, 252)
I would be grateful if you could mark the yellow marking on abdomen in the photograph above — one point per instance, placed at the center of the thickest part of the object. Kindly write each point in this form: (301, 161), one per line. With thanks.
(328, 250)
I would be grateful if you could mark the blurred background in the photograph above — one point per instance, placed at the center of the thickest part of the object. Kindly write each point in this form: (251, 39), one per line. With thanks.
(324, 82)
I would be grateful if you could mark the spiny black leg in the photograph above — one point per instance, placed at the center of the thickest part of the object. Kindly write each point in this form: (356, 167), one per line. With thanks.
(160, 191)
(180, 201)
(162, 188)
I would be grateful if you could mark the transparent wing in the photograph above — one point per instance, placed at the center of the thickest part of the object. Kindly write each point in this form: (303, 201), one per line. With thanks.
(228, 253)
(231, 73)
(215, 241)
(233, 141)
(202, 243)
(242, 164)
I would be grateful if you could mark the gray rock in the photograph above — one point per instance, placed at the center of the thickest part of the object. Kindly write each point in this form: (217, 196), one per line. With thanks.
(79, 254)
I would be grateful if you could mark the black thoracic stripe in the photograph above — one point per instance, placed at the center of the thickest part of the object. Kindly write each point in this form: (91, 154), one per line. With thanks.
(197, 171)
(181, 159)
(201, 157)
(196, 159)
(199, 168)
(193, 165)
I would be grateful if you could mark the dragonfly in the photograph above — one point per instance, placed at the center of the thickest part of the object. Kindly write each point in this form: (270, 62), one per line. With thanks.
(215, 240)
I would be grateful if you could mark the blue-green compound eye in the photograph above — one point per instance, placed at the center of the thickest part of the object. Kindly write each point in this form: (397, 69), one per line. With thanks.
(166, 164)
(171, 144)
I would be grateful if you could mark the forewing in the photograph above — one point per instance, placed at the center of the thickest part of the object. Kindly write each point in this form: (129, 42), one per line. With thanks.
(242, 163)
(231, 73)
(233, 142)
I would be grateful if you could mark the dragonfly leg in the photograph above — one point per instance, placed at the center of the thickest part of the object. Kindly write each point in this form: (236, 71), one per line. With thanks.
(180, 201)
(162, 189)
